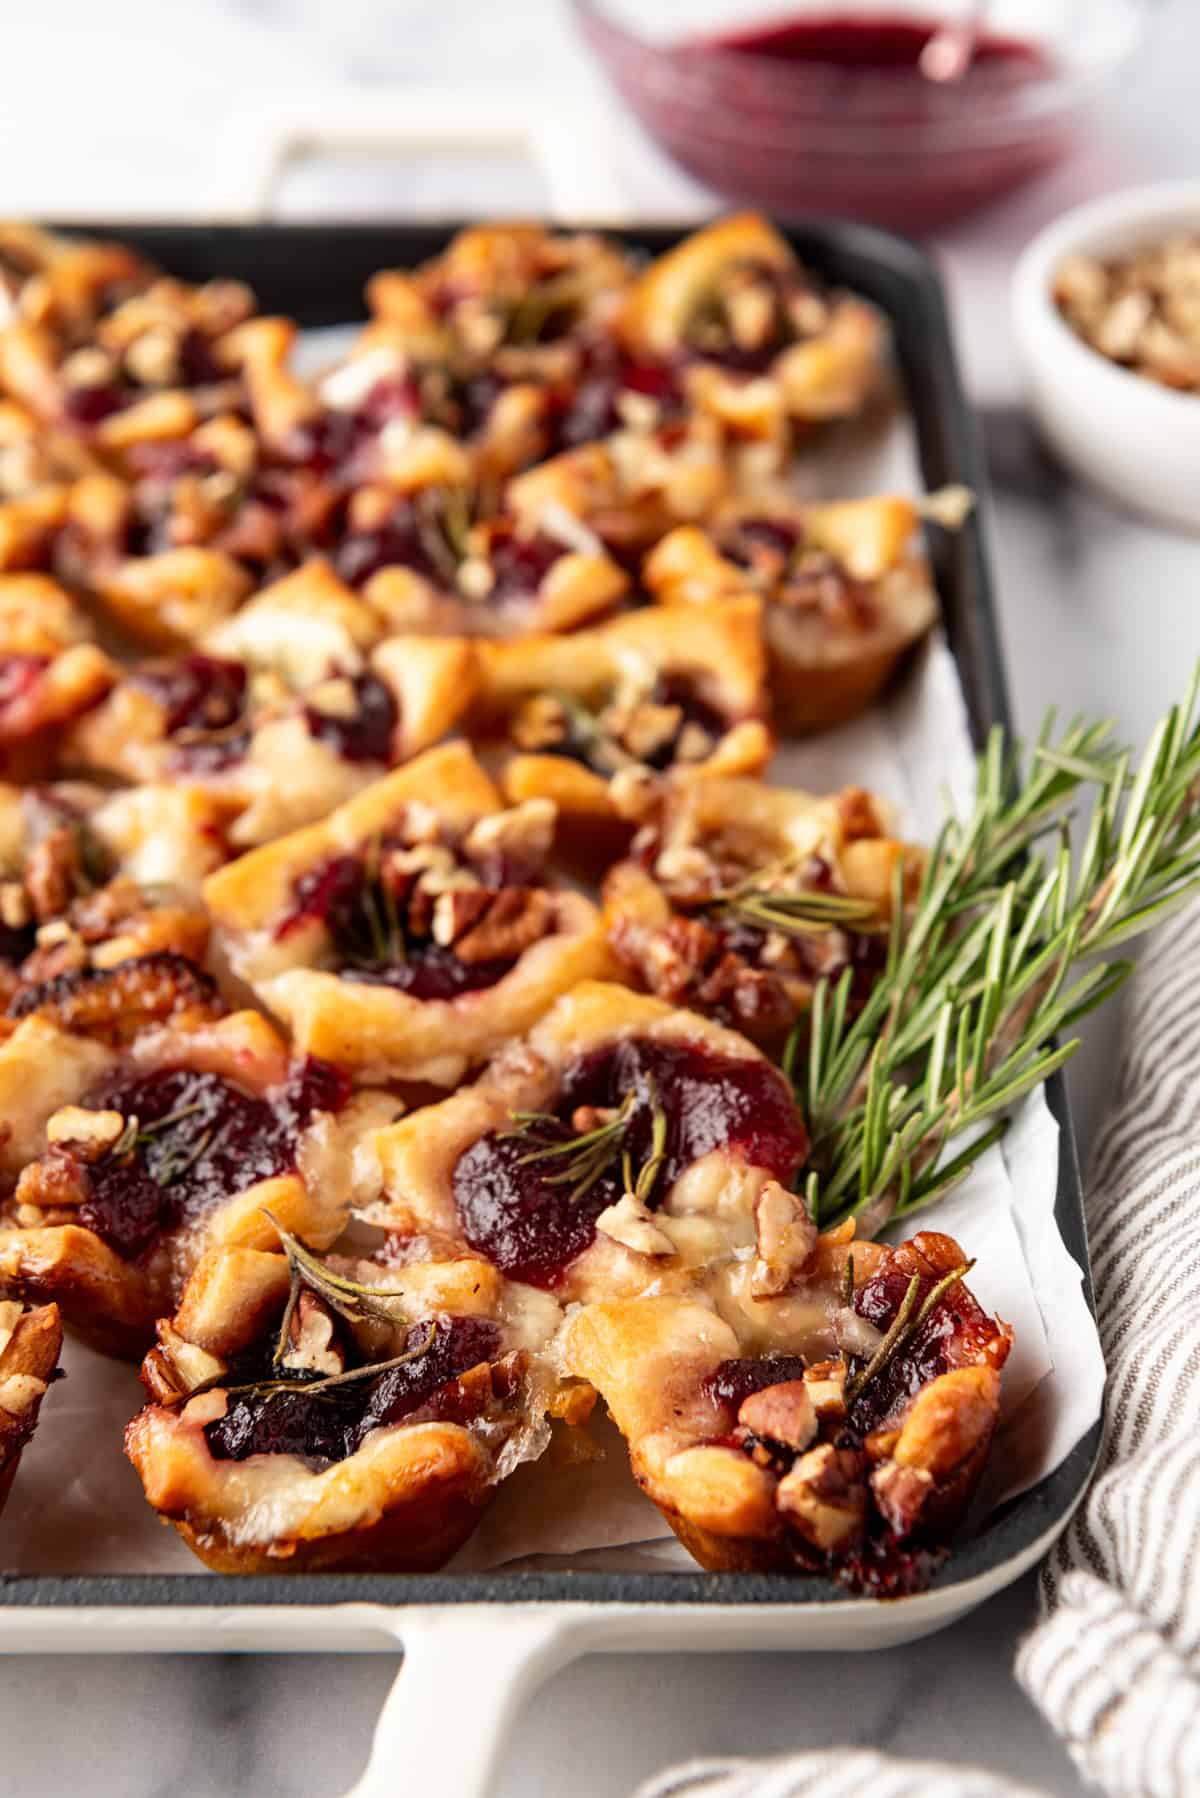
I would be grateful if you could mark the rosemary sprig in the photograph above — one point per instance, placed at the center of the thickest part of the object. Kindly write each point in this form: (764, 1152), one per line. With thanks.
(978, 984)
(587, 1156)
(176, 1162)
(388, 946)
(351, 1300)
(765, 899)
(319, 1388)
(904, 1326)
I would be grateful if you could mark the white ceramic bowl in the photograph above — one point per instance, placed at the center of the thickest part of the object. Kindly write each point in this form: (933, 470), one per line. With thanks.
(1137, 441)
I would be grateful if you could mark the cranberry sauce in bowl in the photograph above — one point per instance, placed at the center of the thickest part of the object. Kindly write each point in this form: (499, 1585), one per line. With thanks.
(828, 110)
(323, 1425)
(192, 1141)
(528, 1198)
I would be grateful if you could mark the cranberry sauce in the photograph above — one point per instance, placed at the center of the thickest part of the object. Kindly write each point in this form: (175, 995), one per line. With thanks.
(519, 564)
(200, 1139)
(517, 1209)
(410, 537)
(335, 442)
(367, 734)
(592, 407)
(733, 1382)
(853, 42)
(754, 542)
(16, 942)
(331, 1424)
(203, 698)
(381, 934)
(89, 406)
(955, 1321)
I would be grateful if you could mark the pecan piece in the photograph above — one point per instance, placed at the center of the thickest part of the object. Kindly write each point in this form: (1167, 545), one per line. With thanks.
(782, 1413)
(52, 872)
(115, 1004)
(516, 918)
(786, 1237)
(824, 1497)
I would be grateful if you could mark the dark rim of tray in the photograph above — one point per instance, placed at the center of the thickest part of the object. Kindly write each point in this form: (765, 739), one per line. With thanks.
(315, 273)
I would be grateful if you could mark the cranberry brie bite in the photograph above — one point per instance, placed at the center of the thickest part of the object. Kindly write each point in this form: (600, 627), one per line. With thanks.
(279, 752)
(50, 671)
(146, 1127)
(622, 1145)
(760, 344)
(428, 561)
(844, 594)
(631, 486)
(98, 342)
(346, 1412)
(90, 878)
(414, 930)
(589, 717)
(513, 298)
(30, 1343)
(844, 1433)
(737, 897)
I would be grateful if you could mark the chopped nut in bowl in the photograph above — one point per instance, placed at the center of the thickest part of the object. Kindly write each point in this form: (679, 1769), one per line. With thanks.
(1106, 306)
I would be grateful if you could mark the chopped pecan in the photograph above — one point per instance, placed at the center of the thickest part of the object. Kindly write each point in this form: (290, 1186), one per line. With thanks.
(645, 729)
(630, 1223)
(88, 1134)
(516, 918)
(52, 873)
(524, 834)
(782, 1413)
(786, 1237)
(826, 1382)
(824, 1497)
(455, 913)
(312, 1337)
(58, 1182)
(115, 1004)
(901, 1494)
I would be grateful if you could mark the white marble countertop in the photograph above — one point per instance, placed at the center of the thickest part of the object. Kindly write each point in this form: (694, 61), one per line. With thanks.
(150, 109)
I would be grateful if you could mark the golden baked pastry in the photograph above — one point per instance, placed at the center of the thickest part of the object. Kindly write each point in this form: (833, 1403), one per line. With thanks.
(848, 1443)
(50, 671)
(762, 342)
(30, 1342)
(590, 716)
(737, 897)
(844, 594)
(340, 1412)
(635, 1160)
(295, 727)
(413, 931)
(148, 1125)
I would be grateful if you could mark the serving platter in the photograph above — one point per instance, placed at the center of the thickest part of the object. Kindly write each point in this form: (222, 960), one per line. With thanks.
(499, 1634)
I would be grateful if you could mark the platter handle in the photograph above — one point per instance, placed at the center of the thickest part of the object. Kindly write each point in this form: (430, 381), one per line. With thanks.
(466, 1673)
(570, 147)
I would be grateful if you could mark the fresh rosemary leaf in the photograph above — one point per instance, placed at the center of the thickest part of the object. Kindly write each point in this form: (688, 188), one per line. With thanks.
(978, 982)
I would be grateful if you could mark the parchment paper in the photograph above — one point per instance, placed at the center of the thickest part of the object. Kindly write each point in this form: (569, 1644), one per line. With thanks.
(77, 1506)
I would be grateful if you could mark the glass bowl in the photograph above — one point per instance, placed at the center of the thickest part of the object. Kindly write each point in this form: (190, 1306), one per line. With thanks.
(820, 108)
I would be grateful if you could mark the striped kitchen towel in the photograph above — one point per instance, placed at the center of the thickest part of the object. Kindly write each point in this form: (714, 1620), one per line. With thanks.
(1114, 1664)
